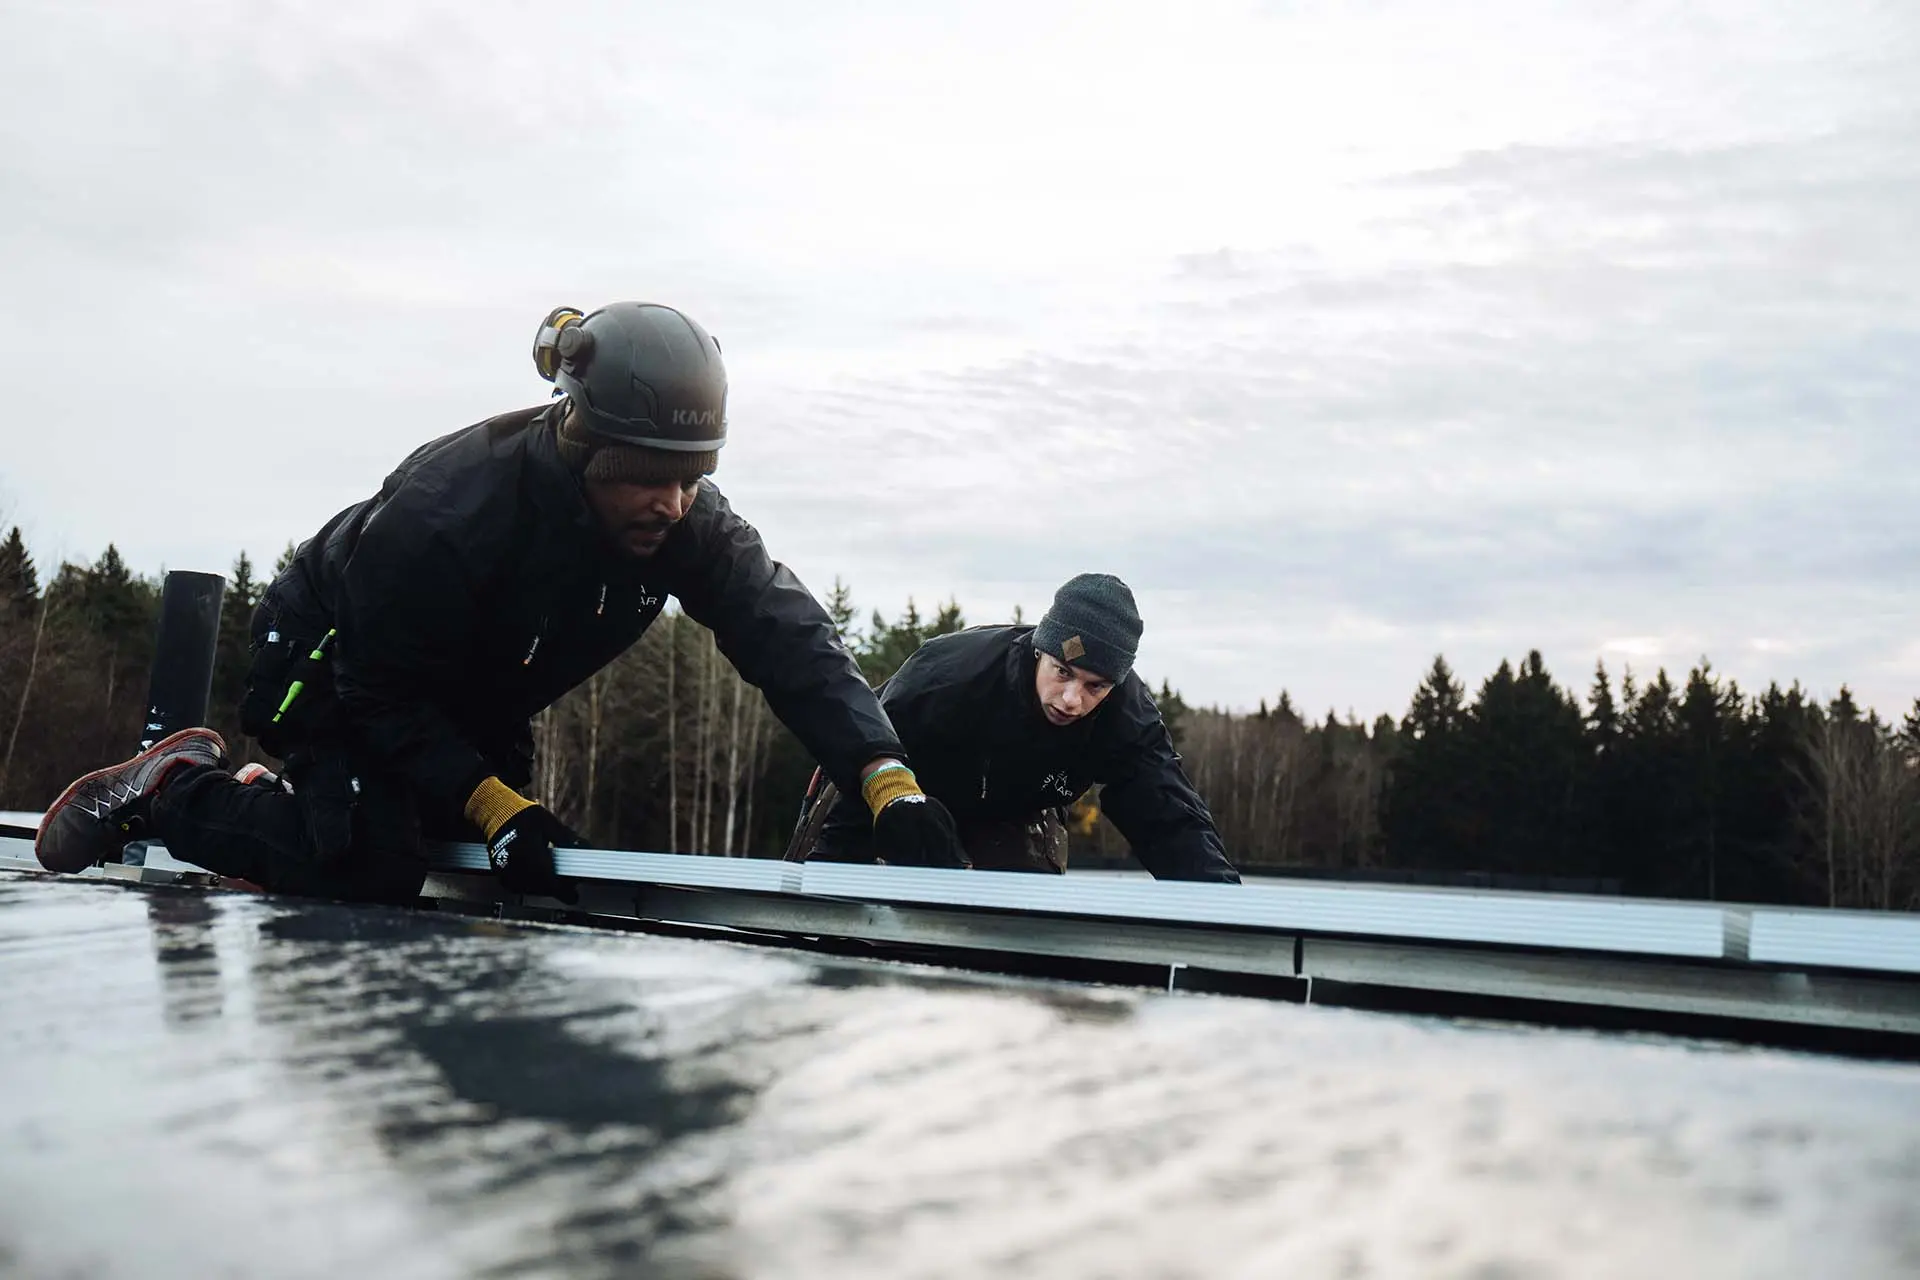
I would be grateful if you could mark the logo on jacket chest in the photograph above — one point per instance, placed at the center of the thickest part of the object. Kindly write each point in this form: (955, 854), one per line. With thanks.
(1059, 784)
(645, 600)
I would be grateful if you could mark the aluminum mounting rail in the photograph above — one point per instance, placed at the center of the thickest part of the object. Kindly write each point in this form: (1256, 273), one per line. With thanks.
(1596, 924)
(1682, 966)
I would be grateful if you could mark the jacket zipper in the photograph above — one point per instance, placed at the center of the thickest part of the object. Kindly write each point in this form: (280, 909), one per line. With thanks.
(599, 611)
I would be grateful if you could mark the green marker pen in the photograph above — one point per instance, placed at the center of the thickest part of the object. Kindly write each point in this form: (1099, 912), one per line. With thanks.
(298, 686)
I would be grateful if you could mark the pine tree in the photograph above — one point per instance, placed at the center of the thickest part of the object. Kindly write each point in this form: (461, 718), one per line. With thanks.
(1425, 817)
(1173, 712)
(23, 648)
(108, 601)
(1605, 784)
(1437, 704)
(19, 580)
(840, 609)
(110, 597)
(1651, 715)
(105, 618)
(111, 602)
(1645, 821)
(948, 620)
(1525, 770)
(1773, 798)
(1603, 717)
(233, 653)
(1714, 761)
(890, 644)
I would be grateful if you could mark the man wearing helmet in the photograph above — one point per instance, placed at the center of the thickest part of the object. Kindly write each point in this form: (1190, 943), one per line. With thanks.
(1008, 725)
(399, 658)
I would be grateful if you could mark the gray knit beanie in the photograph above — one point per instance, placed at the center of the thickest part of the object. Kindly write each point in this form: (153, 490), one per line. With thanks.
(1093, 625)
(595, 457)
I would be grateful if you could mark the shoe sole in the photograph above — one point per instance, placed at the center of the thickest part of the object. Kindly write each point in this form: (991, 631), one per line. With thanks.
(66, 797)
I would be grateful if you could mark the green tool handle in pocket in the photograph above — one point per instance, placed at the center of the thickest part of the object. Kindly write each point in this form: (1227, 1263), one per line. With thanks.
(299, 686)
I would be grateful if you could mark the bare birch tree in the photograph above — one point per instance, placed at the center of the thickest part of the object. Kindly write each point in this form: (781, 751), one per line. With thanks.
(26, 688)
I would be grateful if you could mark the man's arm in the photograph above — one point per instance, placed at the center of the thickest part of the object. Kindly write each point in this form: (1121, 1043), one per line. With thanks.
(781, 641)
(404, 614)
(1154, 805)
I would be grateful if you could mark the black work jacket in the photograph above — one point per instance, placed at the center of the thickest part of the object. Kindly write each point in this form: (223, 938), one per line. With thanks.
(966, 707)
(475, 589)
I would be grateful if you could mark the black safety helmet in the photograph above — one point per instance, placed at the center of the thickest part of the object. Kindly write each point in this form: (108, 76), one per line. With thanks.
(639, 373)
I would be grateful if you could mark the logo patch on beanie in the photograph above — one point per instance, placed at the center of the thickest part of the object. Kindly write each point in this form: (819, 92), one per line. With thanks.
(1073, 650)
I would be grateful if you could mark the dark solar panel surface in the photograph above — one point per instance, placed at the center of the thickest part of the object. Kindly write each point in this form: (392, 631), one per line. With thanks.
(198, 1084)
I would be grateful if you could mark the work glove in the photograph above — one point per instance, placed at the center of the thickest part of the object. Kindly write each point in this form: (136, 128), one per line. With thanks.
(910, 827)
(521, 851)
(521, 837)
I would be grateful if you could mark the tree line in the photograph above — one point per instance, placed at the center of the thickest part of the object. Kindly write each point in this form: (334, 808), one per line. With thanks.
(1695, 789)
(1688, 790)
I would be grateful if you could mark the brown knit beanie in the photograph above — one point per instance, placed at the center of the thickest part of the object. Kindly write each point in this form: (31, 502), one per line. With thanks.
(595, 457)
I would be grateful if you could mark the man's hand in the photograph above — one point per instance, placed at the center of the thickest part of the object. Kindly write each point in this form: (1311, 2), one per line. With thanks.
(910, 827)
(521, 851)
(521, 837)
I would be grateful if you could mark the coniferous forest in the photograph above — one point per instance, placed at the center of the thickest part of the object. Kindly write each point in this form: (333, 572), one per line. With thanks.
(1641, 784)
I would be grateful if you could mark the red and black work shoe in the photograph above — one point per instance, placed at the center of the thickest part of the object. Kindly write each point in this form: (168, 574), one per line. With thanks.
(99, 813)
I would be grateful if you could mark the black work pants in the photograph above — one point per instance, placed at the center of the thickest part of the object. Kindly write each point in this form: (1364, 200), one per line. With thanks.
(272, 838)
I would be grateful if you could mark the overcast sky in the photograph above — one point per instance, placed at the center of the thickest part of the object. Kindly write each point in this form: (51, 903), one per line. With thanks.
(1346, 334)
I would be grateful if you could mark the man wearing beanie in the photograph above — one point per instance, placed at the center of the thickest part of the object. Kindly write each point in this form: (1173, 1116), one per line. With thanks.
(1007, 725)
(399, 658)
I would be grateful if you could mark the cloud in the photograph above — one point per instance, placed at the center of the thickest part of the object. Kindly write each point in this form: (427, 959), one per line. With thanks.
(1345, 334)
(1672, 389)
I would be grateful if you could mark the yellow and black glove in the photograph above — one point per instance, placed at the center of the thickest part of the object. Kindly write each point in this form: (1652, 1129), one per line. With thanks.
(910, 827)
(521, 837)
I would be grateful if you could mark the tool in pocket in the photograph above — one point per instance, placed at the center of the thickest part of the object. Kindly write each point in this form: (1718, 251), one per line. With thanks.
(305, 670)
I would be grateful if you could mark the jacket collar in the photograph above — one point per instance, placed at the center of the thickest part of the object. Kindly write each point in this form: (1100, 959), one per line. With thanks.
(552, 488)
